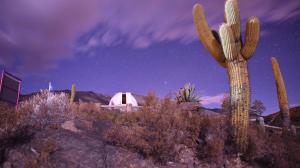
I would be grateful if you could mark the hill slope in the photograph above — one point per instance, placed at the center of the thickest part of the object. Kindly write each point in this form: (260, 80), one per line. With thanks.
(88, 97)
(81, 96)
(275, 118)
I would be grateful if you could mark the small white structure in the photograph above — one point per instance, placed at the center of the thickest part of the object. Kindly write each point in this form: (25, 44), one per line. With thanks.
(50, 87)
(125, 102)
(123, 99)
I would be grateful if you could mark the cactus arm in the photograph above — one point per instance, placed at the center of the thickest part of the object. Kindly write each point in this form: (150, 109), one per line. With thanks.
(281, 93)
(228, 42)
(252, 37)
(232, 17)
(206, 36)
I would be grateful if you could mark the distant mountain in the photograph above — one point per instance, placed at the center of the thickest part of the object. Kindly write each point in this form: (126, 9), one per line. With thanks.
(81, 96)
(92, 97)
(88, 96)
(276, 120)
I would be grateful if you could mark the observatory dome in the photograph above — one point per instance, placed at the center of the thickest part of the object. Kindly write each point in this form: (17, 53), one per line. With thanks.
(123, 99)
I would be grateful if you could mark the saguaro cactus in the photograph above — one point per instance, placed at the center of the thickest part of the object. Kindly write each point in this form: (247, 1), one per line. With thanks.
(282, 96)
(73, 93)
(232, 54)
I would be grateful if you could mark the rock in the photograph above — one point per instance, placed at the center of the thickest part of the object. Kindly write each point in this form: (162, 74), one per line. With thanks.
(69, 125)
(6, 165)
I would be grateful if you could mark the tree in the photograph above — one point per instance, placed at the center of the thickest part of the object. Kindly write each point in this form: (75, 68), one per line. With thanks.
(257, 108)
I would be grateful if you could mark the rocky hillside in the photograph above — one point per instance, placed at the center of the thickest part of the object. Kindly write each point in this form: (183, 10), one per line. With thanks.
(77, 147)
(275, 118)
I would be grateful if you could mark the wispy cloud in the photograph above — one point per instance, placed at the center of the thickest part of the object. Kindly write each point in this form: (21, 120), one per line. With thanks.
(294, 105)
(208, 100)
(150, 22)
(39, 33)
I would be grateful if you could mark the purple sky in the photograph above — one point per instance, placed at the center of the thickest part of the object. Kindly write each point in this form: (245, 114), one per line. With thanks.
(140, 45)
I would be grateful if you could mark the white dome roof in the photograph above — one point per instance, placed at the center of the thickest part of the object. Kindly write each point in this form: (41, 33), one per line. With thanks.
(120, 99)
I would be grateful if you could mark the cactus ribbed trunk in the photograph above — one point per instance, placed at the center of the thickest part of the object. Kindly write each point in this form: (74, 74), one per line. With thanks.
(240, 100)
(282, 96)
(286, 118)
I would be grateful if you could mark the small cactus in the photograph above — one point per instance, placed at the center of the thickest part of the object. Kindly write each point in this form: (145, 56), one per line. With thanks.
(282, 96)
(187, 94)
(73, 93)
(230, 52)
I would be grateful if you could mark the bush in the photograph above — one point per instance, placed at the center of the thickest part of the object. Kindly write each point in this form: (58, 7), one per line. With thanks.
(12, 132)
(9, 119)
(159, 128)
(268, 149)
(92, 112)
(211, 139)
(46, 109)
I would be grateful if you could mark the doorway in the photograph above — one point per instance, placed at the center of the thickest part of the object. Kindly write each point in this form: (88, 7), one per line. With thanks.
(124, 98)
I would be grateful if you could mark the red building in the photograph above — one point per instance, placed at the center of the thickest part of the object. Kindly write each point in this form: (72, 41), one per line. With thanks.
(10, 87)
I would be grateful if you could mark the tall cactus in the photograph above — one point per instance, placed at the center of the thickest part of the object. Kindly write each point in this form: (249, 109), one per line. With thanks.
(73, 93)
(232, 54)
(282, 96)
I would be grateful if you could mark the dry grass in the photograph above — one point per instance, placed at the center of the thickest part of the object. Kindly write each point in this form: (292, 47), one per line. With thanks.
(8, 119)
(12, 130)
(160, 130)
(161, 126)
(272, 150)
(92, 112)
(212, 140)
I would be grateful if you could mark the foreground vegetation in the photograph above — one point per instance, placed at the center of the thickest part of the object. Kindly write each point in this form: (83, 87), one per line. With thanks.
(162, 131)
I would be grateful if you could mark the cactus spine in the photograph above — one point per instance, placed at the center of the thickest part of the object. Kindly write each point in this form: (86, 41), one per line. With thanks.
(282, 96)
(73, 93)
(232, 54)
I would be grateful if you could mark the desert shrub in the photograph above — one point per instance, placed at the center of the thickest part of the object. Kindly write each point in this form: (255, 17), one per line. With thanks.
(158, 128)
(8, 119)
(268, 149)
(91, 111)
(12, 132)
(211, 140)
(46, 109)
(85, 110)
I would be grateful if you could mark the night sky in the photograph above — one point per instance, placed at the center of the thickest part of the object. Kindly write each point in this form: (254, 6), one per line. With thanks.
(109, 46)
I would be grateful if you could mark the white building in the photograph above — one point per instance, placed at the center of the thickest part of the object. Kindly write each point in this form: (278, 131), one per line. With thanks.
(123, 101)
